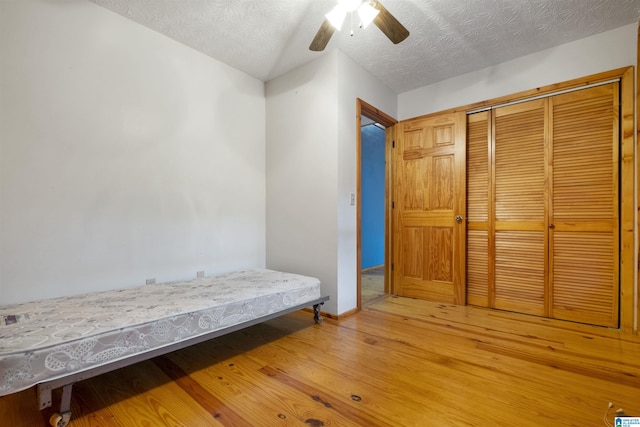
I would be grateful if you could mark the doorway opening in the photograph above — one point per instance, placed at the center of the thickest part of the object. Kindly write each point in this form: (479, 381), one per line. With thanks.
(372, 197)
(374, 142)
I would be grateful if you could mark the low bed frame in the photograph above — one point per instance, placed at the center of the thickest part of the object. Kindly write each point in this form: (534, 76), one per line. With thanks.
(55, 343)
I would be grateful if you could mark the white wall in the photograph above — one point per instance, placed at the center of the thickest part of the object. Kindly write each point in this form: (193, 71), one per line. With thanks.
(124, 155)
(302, 173)
(311, 171)
(602, 52)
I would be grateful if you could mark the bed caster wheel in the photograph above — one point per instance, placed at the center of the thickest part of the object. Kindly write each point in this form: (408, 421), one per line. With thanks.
(60, 420)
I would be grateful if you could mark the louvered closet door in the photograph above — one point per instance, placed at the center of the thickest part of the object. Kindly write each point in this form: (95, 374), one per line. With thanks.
(584, 206)
(520, 243)
(478, 208)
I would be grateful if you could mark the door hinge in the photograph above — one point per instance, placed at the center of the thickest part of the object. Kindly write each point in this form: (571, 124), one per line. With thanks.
(393, 144)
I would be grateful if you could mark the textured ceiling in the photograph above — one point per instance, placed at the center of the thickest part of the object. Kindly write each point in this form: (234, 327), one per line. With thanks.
(266, 38)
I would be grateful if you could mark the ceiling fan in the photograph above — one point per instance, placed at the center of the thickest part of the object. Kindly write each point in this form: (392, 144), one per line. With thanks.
(368, 11)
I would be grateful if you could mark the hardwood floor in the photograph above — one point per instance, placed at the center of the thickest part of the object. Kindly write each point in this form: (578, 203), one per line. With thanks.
(372, 285)
(399, 362)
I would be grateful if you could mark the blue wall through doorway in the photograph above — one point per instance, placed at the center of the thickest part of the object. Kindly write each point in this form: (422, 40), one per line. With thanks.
(372, 196)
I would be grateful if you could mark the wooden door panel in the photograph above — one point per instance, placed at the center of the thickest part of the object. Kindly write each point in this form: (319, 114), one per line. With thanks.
(519, 232)
(478, 168)
(478, 267)
(442, 191)
(413, 182)
(428, 290)
(429, 184)
(427, 262)
(519, 271)
(582, 277)
(428, 253)
(584, 221)
(479, 251)
(439, 250)
(520, 162)
(413, 252)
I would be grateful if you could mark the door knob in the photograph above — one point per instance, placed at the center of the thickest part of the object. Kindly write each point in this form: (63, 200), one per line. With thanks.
(458, 218)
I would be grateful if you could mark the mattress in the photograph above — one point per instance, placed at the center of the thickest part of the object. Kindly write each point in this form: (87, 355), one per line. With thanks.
(49, 339)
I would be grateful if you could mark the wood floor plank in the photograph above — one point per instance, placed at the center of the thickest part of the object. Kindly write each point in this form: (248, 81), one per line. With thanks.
(354, 415)
(138, 395)
(214, 406)
(268, 402)
(20, 409)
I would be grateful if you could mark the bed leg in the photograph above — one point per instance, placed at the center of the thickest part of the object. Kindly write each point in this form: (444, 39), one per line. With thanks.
(316, 313)
(62, 418)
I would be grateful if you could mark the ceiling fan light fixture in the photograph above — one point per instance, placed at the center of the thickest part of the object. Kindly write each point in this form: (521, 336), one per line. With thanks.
(367, 14)
(336, 16)
(368, 11)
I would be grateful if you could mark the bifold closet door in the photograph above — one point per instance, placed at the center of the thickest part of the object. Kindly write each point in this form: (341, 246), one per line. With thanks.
(543, 207)
(584, 219)
(479, 210)
(520, 235)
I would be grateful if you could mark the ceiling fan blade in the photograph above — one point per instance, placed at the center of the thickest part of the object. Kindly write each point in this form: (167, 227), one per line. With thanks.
(322, 36)
(389, 25)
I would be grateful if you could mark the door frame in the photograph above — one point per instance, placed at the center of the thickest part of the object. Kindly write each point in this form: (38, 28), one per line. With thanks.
(368, 110)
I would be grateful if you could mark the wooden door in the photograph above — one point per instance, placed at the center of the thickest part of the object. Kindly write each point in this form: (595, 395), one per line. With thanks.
(519, 241)
(479, 210)
(428, 195)
(584, 219)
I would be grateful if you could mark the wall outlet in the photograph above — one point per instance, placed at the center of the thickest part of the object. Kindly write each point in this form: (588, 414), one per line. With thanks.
(151, 281)
(200, 274)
